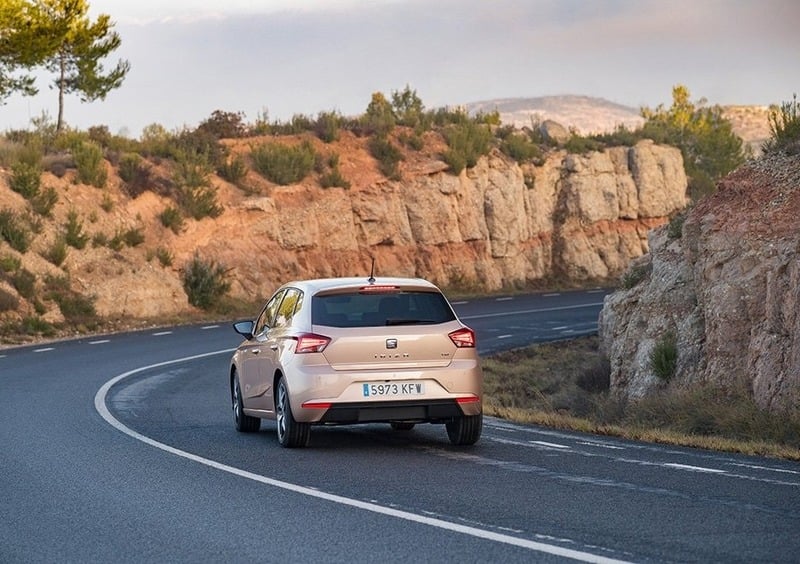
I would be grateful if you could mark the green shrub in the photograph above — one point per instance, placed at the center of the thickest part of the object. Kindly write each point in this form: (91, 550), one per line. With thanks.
(117, 242)
(577, 144)
(135, 173)
(634, 275)
(467, 142)
(99, 239)
(204, 282)
(57, 253)
(14, 231)
(25, 179)
(192, 169)
(133, 237)
(35, 325)
(664, 357)
(24, 281)
(327, 126)
(172, 219)
(675, 227)
(408, 108)
(784, 126)
(75, 307)
(224, 125)
(44, 202)
(233, 170)
(91, 165)
(164, 256)
(379, 119)
(73, 231)
(107, 203)
(10, 263)
(520, 147)
(8, 301)
(414, 141)
(200, 201)
(283, 164)
(387, 155)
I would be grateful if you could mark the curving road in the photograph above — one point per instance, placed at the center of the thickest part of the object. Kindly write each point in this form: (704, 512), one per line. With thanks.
(121, 449)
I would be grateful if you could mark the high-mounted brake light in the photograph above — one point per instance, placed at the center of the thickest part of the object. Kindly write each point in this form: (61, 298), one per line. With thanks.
(311, 343)
(373, 288)
(463, 338)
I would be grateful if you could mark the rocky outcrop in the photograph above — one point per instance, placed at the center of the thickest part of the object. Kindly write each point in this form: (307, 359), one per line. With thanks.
(727, 288)
(575, 218)
(496, 225)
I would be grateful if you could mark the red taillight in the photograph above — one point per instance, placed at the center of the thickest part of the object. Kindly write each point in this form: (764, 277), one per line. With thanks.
(463, 338)
(468, 399)
(317, 405)
(311, 343)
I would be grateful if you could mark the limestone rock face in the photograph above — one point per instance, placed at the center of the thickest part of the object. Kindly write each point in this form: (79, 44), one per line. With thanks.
(575, 218)
(727, 289)
(494, 226)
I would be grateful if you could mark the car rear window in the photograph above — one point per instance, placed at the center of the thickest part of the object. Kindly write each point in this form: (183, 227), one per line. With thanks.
(382, 308)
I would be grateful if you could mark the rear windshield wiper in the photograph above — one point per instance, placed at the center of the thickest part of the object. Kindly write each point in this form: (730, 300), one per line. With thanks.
(393, 321)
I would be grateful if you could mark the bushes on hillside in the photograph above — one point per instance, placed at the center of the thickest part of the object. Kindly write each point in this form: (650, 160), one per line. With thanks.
(204, 282)
(784, 125)
(283, 164)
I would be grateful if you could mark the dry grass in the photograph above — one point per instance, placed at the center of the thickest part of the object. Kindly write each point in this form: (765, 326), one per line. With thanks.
(565, 385)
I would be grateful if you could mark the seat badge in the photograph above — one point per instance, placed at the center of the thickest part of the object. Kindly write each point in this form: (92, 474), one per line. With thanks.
(391, 343)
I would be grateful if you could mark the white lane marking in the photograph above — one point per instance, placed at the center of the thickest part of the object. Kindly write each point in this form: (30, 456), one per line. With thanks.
(503, 299)
(595, 291)
(162, 333)
(102, 409)
(209, 327)
(601, 445)
(3, 355)
(756, 467)
(462, 302)
(504, 336)
(553, 445)
(694, 468)
(561, 328)
(100, 342)
(45, 349)
(527, 311)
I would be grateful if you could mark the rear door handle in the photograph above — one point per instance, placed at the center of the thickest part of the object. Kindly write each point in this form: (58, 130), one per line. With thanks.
(255, 351)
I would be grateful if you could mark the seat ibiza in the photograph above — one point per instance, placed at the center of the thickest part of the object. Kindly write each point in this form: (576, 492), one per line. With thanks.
(352, 350)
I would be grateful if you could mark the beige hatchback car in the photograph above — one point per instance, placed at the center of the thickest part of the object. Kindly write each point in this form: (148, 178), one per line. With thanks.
(353, 350)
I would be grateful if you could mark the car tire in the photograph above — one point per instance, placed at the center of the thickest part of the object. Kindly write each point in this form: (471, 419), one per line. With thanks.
(243, 423)
(291, 434)
(401, 426)
(465, 430)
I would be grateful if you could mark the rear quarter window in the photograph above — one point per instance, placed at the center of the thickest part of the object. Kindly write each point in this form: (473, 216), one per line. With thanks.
(380, 309)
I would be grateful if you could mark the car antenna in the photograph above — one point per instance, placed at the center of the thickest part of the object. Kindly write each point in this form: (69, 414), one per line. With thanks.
(371, 278)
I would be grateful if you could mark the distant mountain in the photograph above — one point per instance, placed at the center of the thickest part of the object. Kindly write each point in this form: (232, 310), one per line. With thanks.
(586, 114)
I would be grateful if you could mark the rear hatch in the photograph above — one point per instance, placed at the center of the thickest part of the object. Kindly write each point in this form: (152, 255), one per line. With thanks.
(385, 328)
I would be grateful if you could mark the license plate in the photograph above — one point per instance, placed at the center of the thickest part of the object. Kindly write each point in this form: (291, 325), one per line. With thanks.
(383, 389)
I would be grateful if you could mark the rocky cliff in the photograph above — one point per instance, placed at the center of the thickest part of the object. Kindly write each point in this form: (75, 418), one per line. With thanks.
(726, 288)
(576, 218)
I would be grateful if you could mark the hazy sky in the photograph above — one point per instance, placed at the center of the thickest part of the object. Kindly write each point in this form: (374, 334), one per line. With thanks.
(191, 57)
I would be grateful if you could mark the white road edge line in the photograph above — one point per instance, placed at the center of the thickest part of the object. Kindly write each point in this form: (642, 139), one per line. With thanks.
(694, 468)
(46, 349)
(207, 327)
(100, 342)
(102, 409)
(162, 333)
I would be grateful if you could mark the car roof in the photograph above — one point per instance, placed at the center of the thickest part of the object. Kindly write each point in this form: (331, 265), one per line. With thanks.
(325, 284)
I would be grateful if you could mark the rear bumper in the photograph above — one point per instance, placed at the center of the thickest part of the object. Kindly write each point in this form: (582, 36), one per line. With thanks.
(370, 412)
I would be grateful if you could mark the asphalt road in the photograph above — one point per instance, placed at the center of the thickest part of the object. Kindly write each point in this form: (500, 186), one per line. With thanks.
(122, 449)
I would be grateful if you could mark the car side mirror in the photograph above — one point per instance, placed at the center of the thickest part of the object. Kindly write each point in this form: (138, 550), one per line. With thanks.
(244, 328)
